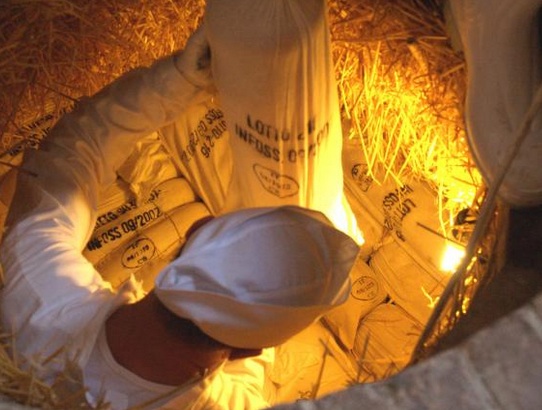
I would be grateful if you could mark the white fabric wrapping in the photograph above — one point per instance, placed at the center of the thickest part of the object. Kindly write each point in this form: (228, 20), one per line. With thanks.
(53, 300)
(384, 343)
(256, 277)
(411, 283)
(408, 213)
(198, 144)
(151, 248)
(272, 65)
(403, 237)
(310, 365)
(367, 292)
(501, 41)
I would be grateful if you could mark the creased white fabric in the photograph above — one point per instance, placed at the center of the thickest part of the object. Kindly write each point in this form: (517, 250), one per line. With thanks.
(273, 69)
(53, 298)
(256, 277)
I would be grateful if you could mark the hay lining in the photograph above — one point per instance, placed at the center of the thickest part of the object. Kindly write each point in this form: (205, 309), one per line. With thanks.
(402, 89)
(53, 52)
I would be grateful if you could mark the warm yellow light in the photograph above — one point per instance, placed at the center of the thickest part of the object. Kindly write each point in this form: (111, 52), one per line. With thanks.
(451, 258)
(344, 219)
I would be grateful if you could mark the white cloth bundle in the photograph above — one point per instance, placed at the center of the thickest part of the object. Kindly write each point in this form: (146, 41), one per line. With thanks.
(413, 285)
(151, 248)
(408, 213)
(402, 228)
(501, 43)
(310, 365)
(256, 277)
(119, 225)
(384, 343)
(367, 292)
(272, 65)
(198, 144)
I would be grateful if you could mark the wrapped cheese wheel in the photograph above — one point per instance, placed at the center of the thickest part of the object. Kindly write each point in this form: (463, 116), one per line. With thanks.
(151, 248)
(118, 225)
(384, 343)
(272, 66)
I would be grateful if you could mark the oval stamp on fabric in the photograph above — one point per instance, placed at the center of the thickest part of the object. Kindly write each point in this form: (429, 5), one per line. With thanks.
(277, 184)
(138, 253)
(365, 288)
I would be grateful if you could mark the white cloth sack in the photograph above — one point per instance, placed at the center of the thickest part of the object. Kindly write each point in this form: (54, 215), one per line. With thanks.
(401, 226)
(272, 66)
(308, 366)
(147, 184)
(151, 248)
(384, 344)
(367, 291)
(256, 277)
(408, 213)
(501, 43)
(143, 217)
(198, 144)
(119, 225)
(412, 284)
(148, 165)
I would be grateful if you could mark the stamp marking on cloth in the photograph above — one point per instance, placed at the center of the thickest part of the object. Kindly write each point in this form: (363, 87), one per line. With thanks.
(360, 174)
(396, 205)
(138, 252)
(279, 185)
(279, 144)
(209, 129)
(365, 288)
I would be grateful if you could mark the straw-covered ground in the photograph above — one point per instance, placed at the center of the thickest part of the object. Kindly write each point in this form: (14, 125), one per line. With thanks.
(401, 88)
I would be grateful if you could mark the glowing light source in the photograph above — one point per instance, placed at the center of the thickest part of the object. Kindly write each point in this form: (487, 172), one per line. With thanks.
(451, 258)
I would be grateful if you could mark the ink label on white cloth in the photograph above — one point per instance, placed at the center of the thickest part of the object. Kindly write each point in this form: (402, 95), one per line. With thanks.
(276, 85)
(120, 224)
(198, 144)
(201, 138)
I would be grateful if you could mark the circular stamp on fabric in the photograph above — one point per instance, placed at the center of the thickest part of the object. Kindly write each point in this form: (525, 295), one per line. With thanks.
(277, 184)
(138, 253)
(365, 288)
(360, 174)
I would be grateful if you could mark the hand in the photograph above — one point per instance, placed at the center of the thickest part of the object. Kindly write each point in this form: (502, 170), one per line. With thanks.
(194, 62)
